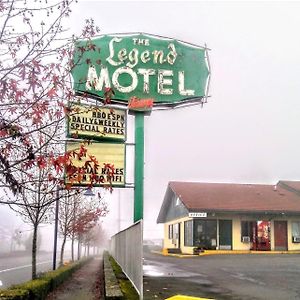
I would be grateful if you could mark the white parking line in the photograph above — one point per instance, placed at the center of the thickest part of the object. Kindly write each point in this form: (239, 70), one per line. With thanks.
(23, 267)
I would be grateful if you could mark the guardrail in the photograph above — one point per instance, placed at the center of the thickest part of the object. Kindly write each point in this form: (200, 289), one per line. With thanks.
(127, 249)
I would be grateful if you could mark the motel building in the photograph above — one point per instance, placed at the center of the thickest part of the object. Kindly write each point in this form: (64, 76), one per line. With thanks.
(217, 216)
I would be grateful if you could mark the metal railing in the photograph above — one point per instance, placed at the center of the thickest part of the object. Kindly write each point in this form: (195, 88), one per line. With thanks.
(127, 249)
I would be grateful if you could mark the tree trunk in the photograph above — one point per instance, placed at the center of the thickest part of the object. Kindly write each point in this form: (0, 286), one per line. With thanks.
(61, 262)
(78, 250)
(72, 247)
(34, 246)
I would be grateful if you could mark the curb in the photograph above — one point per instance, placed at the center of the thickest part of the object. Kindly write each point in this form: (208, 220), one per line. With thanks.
(111, 284)
(174, 255)
(225, 252)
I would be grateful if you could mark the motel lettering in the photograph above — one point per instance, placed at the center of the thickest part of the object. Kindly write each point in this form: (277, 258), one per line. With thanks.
(142, 66)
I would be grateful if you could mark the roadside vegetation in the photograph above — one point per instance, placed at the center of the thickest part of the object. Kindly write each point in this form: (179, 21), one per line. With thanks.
(127, 289)
(39, 288)
(37, 57)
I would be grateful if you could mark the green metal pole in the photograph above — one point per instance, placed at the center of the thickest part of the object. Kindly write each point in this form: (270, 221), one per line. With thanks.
(139, 167)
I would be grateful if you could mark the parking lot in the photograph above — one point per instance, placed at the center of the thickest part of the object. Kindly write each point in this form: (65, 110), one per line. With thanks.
(242, 276)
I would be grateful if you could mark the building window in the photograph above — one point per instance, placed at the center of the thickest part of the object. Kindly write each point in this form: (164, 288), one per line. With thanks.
(170, 232)
(188, 233)
(247, 231)
(205, 234)
(175, 231)
(296, 232)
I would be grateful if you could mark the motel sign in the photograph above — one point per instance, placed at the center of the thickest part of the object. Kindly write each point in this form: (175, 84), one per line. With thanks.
(144, 66)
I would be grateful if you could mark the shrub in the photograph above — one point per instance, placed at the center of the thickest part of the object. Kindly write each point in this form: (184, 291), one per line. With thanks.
(15, 294)
(38, 289)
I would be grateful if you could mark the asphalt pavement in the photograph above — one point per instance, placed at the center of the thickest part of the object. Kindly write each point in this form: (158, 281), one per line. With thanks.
(235, 277)
(16, 268)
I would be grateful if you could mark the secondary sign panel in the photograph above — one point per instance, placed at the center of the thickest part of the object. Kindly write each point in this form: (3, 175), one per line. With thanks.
(105, 153)
(141, 65)
(198, 214)
(97, 123)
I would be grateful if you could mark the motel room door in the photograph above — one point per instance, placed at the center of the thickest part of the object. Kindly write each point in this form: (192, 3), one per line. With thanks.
(225, 234)
(280, 234)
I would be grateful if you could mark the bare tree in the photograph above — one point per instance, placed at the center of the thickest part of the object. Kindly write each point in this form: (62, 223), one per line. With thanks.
(35, 84)
(34, 205)
(35, 89)
(77, 216)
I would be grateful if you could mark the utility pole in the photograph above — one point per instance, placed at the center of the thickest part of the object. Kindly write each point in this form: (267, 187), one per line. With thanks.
(55, 227)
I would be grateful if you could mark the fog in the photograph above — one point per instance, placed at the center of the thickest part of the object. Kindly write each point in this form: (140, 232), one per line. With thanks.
(247, 132)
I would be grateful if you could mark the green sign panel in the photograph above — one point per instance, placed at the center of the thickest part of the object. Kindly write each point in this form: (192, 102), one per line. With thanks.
(143, 66)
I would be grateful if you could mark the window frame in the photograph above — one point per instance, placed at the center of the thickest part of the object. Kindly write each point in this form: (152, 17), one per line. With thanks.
(189, 240)
(170, 232)
(249, 230)
(295, 232)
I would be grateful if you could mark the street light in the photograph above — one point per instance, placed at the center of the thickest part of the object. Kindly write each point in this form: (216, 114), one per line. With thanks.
(89, 192)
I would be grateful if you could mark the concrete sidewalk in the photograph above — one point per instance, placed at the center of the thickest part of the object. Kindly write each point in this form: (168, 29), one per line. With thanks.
(87, 283)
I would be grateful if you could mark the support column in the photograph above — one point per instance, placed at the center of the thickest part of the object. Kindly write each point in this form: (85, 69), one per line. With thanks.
(139, 167)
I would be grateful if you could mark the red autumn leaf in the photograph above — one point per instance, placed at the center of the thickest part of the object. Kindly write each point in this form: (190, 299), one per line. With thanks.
(58, 114)
(52, 93)
(92, 47)
(28, 164)
(68, 186)
(75, 135)
(41, 162)
(3, 133)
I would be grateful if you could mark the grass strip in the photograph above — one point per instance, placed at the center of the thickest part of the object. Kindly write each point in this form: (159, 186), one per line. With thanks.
(127, 289)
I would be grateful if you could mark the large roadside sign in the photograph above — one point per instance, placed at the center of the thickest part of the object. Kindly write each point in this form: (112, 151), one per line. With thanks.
(139, 71)
(105, 153)
(141, 65)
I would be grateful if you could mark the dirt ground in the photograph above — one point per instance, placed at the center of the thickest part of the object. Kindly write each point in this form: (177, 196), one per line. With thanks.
(85, 284)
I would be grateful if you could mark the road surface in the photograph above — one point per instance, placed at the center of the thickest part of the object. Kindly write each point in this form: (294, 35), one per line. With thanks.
(239, 277)
(17, 269)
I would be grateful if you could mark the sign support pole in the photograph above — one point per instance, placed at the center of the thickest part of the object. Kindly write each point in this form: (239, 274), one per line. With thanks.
(139, 167)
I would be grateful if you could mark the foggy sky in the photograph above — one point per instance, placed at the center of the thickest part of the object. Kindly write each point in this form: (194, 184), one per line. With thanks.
(248, 132)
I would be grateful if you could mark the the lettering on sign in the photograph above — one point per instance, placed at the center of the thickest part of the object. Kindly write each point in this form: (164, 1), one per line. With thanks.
(101, 176)
(140, 104)
(197, 214)
(105, 153)
(104, 123)
(126, 60)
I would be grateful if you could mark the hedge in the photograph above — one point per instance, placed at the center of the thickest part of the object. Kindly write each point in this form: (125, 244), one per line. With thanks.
(38, 289)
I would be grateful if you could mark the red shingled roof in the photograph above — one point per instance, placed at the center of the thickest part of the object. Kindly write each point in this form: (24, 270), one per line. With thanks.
(236, 197)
